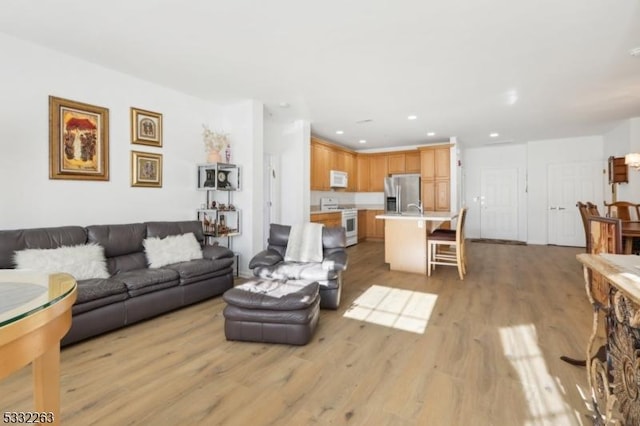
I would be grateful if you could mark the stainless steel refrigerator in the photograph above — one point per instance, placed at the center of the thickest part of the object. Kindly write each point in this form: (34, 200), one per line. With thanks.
(400, 191)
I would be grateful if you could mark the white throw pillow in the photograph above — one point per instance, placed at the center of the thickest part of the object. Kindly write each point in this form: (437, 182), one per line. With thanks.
(172, 249)
(82, 261)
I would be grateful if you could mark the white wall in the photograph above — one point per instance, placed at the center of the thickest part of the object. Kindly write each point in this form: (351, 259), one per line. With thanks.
(290, 143)
(539, 155)
(474, 161)
(30, 73)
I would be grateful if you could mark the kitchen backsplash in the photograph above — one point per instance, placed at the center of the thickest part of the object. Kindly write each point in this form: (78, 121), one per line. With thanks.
(349, 199)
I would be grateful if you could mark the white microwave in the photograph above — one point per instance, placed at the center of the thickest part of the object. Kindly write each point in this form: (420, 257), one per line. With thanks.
(338, 179)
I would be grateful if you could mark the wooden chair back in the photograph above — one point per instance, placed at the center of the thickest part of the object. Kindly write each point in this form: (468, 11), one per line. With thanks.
(624, 210)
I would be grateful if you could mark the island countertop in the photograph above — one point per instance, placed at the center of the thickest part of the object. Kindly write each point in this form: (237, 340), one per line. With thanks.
(430, 216)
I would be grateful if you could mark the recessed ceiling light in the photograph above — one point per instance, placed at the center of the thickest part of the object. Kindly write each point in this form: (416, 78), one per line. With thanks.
(635, 51)
(363, 141)
(339, 132)
(494, 135)
(284, 104)
(431, 134)
(412, 117)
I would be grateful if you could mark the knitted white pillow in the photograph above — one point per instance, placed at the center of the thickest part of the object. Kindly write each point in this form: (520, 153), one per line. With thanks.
(172, 249)
(82, 261)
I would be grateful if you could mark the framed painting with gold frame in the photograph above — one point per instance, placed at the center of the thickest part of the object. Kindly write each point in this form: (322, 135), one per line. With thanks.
(146, 169)
(146, 127)
(78, 140)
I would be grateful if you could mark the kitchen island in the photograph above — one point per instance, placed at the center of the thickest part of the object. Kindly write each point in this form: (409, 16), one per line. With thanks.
(405, 238)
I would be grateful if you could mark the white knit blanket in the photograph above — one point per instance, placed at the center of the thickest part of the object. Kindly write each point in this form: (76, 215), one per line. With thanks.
(273, 288)
(305, 243)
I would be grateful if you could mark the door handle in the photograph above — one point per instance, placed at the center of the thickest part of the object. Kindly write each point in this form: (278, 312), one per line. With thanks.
(561, 208)
(553, 208)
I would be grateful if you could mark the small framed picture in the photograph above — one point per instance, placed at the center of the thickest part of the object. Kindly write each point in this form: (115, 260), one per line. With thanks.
(146, 127)
(78, 140)
(146, 169)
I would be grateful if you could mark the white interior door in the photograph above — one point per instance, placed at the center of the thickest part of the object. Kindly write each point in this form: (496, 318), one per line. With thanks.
(567, 184)
(499, 204)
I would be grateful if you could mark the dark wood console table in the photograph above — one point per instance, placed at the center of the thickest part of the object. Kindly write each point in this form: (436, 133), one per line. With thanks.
(614, 378)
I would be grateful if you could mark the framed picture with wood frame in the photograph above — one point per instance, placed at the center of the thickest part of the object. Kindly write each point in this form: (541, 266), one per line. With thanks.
(146, 127)
(78, 140)
(146, 169)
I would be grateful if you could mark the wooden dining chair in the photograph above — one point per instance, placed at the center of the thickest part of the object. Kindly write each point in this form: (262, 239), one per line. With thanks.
(592, 209)
(624, 210)
(438, 241)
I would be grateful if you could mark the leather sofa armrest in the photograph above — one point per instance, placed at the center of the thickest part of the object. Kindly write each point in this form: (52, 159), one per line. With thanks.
(265, 258)
(336, 261)
(216, 252)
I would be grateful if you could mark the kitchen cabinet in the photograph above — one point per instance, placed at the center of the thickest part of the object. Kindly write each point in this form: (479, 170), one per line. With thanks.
(412, 162)
(320, 166)
(377, 172)
(435, 174)
(403, 162)
(362, 166)
(362, 225)
(325, 158)
(375, 227)
(396, 163)
(328, 219)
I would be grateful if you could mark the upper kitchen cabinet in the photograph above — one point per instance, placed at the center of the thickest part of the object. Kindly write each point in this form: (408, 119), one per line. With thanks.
(396, 163)
(362, 167)
(321, 158)
(412, 162)
(435, 172)
(326, 157)
(378, 170)
(403, 162)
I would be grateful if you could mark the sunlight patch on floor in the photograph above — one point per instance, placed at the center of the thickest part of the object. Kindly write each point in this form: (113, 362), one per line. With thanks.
(543, 392)
(393, 307)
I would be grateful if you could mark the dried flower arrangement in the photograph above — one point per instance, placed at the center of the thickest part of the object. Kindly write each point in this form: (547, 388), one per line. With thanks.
(213, 141)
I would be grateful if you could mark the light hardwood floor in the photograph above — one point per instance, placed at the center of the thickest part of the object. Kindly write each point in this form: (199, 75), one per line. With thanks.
(489, 355)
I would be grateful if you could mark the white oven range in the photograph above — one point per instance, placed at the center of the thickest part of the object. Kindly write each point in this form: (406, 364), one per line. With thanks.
(349, 218)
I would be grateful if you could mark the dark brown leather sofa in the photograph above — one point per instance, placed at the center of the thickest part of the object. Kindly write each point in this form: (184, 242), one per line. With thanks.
(270, 264)
(133, 292)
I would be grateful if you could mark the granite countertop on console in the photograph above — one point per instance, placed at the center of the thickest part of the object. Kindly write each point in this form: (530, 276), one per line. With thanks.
(435, 216)
(316, 209)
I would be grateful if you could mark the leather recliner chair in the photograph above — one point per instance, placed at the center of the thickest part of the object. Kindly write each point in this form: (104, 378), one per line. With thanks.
(270, 264)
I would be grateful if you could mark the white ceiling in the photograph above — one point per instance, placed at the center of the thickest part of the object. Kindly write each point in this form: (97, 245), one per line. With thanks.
(528, 70)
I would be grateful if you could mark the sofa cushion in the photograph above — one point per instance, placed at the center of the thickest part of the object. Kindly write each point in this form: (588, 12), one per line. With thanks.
(310, 271)
(98, 288)
(141, 278)
(37, 238)
(171, 249)
(118, 240)
(197, 269)
(164, 229)
(84, 261)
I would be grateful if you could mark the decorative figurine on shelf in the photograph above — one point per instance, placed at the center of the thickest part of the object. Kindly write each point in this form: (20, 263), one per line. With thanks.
(222, 206)
(227, 153)
(211, 178)
(232, 207)
(213, 205)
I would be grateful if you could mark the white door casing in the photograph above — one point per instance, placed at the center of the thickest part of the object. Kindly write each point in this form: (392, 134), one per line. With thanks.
(568, 183)
(499, 204)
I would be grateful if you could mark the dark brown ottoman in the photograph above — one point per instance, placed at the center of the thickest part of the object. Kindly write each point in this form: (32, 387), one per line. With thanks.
(272, 311)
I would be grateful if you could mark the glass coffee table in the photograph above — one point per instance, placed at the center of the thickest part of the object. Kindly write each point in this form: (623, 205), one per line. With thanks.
(35, 314)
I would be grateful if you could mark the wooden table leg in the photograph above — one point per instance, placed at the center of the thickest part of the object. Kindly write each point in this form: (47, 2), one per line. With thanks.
(46, 382)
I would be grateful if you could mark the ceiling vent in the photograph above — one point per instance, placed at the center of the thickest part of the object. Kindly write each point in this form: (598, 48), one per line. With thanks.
(368, 120)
